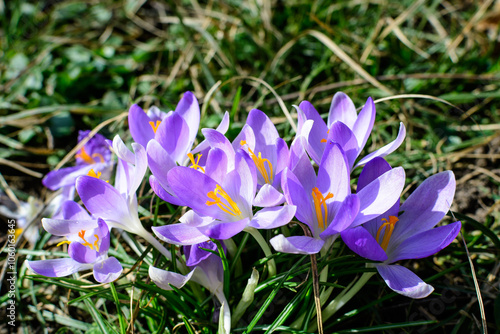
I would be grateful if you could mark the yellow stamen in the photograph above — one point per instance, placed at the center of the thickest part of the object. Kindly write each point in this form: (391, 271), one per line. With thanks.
(389, 228)
(320, 206)
(232, 208)
(324, 140)
(64, 242)
(93, 174)
(260, 164)
(81, 234)
(155, 125)
(195, 165)
(85, 156)
(99, 155)
(18, 232)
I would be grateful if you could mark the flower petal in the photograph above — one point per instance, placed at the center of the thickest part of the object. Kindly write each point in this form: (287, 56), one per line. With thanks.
(57, 267)
(74, 211)
(189, 109)
(164, 279)
(216, 166)
(361, 242)
(81, 253)
(159, 162)
(296, 195)
(342, 135)
(342, 109)
(426, 206)
(371, 171)
(425, 243)
(223, 230)
(404, 281)
(218, 140)
(387, 149)
(138, 123)
(277, 216)
(108, 270)
(172, 134)
(185, 233)
(101, 199)
(268, 196)
(297, 244)
(162, 193)
(314, 132)
(65, 176)
(344, 216)
(364, 123)
(380, 195)
(333, 173)
(64, 227)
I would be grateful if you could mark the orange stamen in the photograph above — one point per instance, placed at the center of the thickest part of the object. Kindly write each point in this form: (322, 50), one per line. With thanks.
(232, 208)
(195, 164)
(320, 206)
(92, 173)
(155, 125)
(85, 156)
(260, 164)
(389, 228)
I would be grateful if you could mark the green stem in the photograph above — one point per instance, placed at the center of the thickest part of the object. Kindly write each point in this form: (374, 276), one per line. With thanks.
(271, 265)
(343, 298)
(156, 244)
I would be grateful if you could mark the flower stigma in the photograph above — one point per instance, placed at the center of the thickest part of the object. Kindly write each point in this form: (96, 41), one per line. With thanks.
(87, 158)
(320, 206)
(389, 228)
(155, 125)
(216, 195)
(195, 164)
(260, 164)
(81, 234)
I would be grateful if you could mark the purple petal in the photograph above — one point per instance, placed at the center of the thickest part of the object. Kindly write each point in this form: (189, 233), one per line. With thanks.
(342, 109)
(314, 132)
(101, 199)
(57, 267)
(246, 134)
(138, 123)
(282, 156)
(333, 173)
(380, 195)
(192, 187)
(387, 149)
(425, 243)
(162, 193)
(268, 196)
(222, 128)
(189, 109)
(218, 140)
(247, 175)
(81, 253)
(297, 196)
(297, 244)
(66, 176)
(108, 270)
(64, 227)
(185, 233)
(164, 279)
(404, 281)
(104, 236)
(122, 151)
(364, 123)
(172, 134)
(264, 130)
(426, 206)
(224, 230)
(372, 170)
(342, 135)
(160, 162)
(361, 242)
(216, 166)
(300, 165)
(268, 218)
(74, 211)
(198, 253)
(344, 217)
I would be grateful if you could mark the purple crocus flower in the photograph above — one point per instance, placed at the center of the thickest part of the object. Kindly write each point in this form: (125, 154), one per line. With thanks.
(88, 240)
(345, 127)
(94, 155)
(206, 270)
(222, 204)
(260, 139)
(143, 125)
(118, 204)
(407, 231)
(325, 203)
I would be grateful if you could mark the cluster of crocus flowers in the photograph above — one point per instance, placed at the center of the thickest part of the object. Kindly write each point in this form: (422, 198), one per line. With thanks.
(256, 181)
